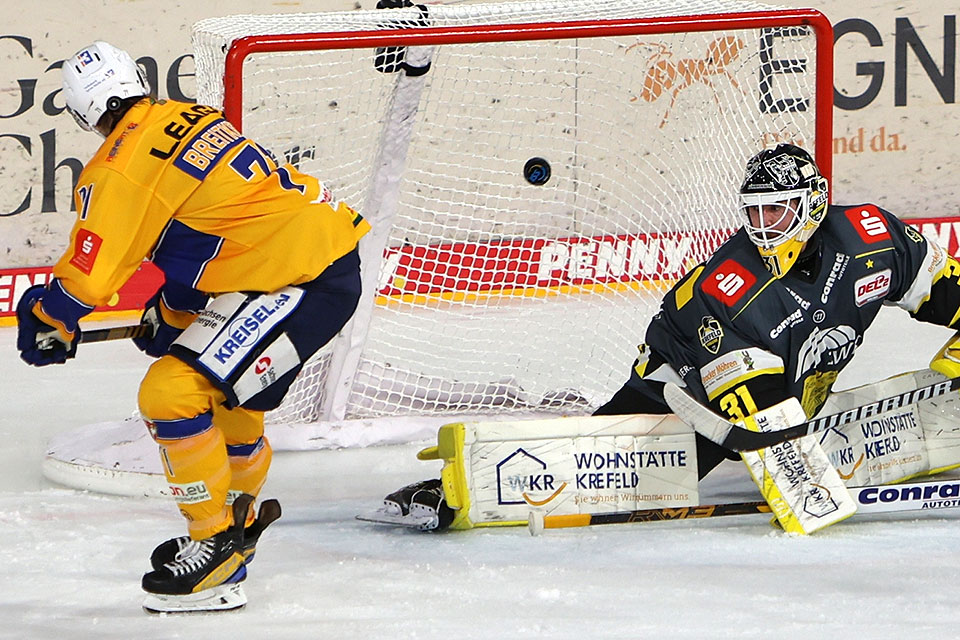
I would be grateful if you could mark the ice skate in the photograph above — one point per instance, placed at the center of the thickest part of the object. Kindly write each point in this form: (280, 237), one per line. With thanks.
(205, 575)
(420, 505)
(268, 512)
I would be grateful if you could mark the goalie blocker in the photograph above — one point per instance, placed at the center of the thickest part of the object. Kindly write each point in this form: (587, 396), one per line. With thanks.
(496, 473)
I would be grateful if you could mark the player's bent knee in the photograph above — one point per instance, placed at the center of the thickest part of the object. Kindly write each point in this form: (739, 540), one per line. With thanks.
(172, 390)
(239, 426)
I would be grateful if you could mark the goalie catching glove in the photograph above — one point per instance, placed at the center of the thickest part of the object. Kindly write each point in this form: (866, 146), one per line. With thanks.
(420, 505)
(947, 360)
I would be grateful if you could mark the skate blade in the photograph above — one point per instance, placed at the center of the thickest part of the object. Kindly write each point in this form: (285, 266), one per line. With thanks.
(409, 521)
(220, 598)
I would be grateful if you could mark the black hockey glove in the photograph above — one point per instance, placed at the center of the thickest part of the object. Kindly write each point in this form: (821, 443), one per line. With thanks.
(421, 499)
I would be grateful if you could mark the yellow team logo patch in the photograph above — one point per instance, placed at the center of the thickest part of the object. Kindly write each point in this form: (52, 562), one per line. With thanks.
(711, 334)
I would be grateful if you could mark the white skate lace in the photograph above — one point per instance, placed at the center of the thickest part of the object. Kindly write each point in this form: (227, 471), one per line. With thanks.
(192, 556)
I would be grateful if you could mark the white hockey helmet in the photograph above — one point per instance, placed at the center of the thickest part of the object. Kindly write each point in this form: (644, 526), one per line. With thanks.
(97, 78)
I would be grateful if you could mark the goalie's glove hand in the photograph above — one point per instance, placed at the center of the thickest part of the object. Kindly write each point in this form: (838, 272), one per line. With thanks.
(421, 499)
(947, 360)
(167, 324)
(41, 338)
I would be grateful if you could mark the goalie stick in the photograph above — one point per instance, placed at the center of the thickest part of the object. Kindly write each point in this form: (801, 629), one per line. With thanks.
(538, 521)
(917, 496)
(736, 437)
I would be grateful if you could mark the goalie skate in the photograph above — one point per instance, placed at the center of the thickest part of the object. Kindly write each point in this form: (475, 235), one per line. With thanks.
(383, 515)
(419, 506)
(205, 575)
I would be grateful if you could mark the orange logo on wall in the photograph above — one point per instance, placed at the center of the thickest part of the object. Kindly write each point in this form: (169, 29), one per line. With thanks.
(85, 250)
(666, 74)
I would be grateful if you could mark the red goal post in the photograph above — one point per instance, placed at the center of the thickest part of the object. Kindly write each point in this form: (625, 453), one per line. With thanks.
(243, 47)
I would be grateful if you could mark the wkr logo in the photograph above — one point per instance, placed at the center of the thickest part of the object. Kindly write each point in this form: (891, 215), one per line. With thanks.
(523, 478)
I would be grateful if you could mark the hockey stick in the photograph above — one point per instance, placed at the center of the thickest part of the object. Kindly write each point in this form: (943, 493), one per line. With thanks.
(115, 333)
(917, 496)
(537, 521)
(99, 335)
(738, 438)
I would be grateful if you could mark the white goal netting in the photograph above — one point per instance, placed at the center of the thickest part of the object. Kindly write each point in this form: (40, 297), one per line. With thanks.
(487, 291)
(537, 174)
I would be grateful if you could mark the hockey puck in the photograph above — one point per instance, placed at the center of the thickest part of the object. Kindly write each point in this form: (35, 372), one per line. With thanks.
(535, 523)
(536, 171)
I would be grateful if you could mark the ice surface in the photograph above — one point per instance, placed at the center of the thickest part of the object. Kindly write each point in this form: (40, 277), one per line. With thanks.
(70, 562)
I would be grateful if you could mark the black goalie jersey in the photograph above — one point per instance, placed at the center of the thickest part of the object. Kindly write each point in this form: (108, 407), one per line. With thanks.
(743, 340)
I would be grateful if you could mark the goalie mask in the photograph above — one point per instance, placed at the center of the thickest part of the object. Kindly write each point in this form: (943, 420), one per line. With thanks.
(97, 78)
(783, 198)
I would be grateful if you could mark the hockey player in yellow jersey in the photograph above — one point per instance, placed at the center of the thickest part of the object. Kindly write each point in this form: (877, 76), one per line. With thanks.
(261, 270)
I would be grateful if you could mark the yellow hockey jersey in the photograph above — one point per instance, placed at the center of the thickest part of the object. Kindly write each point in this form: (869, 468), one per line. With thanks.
(177, 183)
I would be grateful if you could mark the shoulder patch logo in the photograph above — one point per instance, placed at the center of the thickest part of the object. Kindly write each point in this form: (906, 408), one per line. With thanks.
(729, 282)
(711, 334)
(913, 234)
(85, 250)
(869, 223)
(872, 287)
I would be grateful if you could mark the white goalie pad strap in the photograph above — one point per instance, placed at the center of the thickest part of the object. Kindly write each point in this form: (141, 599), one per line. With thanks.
(919, 291)
(895, 445)
(796, 477)
(232, 325)
(575, 465)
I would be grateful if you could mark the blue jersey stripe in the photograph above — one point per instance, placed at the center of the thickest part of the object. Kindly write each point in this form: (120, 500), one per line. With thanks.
(183, 253)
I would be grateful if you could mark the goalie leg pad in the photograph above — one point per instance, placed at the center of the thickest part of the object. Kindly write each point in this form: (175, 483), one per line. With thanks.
(903, 442)
(495, 473)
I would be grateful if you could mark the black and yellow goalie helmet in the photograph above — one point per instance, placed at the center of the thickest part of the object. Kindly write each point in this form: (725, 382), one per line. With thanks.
(784, 199)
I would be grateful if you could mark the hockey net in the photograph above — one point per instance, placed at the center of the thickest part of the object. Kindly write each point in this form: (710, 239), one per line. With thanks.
(485, 291)
(490, 287)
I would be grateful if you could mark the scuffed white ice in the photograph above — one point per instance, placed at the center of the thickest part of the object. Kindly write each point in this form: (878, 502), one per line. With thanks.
(70, 562)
